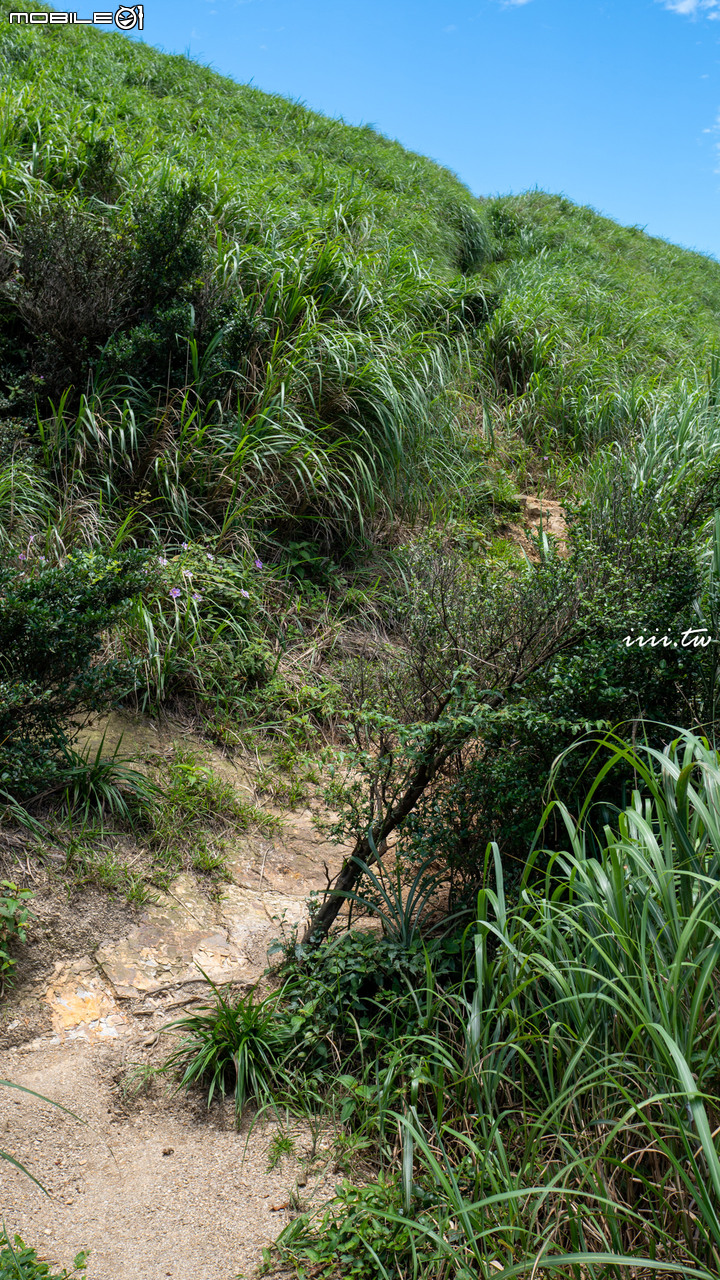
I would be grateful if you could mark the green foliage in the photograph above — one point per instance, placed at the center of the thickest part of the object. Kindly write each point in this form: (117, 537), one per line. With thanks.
(401, 904)
(267, 338)
(195, 814)
(232, 1046)
(360, 982)
(19, 1261)
(51, 624)
(245, 360)
(357, 1234)
(572, 1078)
(194, 632)
(15, 915)
(91, 857)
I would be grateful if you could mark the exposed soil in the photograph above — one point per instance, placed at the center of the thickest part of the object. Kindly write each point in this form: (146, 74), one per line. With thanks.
(538, 515)
(152, 1185)
(156, 1188)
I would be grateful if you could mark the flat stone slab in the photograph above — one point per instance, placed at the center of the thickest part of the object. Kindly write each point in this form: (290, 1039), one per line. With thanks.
(184, 933)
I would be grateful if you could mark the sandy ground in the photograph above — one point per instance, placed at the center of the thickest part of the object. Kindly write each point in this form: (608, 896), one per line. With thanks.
(152, 1187)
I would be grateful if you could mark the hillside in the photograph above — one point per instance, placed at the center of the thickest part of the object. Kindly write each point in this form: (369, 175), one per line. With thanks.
(359, 539)
(100, 126)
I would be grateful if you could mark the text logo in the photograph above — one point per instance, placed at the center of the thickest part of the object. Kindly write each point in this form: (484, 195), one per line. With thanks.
(125, 19)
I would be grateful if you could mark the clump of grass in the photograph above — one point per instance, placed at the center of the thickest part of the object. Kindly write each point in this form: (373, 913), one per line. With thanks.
(90, 856)
(137, 1080)
(198, 814)
(281, 1144)
(236, 1047)
(290, 776)
(94, 786)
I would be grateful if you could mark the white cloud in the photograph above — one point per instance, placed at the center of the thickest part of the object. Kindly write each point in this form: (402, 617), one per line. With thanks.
(694, 8)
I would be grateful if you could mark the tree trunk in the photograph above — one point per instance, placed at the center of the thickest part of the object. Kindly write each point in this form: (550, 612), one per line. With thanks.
(377, 837)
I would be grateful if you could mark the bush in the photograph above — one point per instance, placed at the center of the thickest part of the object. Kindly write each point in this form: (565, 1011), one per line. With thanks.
(233, 1047)
(500, 791)
(360, 982)
(15, 916)
(52, 621)
(19, 1261)
(83, 280)
(74, 288)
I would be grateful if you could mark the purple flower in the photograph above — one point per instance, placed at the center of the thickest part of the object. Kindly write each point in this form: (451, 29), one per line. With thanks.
(22, 556)
(196, 597)
(162, 560)
(244, 593)
(175, 592)
(210, 557)
(258, 564)
(185, 546)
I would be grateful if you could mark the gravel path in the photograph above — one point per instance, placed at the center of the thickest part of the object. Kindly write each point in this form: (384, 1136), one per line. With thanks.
(154, 1187)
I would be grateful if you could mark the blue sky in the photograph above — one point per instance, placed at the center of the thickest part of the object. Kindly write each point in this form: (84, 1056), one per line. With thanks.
(615, 103)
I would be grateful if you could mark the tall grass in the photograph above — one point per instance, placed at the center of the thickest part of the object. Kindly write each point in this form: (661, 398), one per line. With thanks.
(360, 271)
(562, 1114)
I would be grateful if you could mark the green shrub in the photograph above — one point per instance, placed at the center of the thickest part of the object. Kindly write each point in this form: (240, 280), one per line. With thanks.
(52, 621)
(15, 915)
(363, 982)
(89, 284)
(358, 1231)
(19, 1261)
(75, 288)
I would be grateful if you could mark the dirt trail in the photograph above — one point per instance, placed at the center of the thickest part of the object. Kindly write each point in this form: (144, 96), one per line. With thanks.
(150, 1184)
(538, 515)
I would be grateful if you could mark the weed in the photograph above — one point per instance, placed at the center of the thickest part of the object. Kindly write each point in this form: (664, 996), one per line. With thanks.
(137, 1080)
(15, 916)
(281, 1144)
(19, 1261)
(290, 776)
(236, 1047)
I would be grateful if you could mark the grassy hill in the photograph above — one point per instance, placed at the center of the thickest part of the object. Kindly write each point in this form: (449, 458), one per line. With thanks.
(309, 226)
